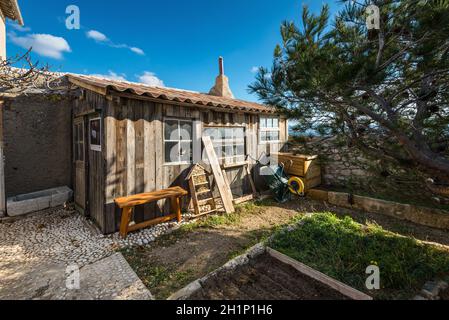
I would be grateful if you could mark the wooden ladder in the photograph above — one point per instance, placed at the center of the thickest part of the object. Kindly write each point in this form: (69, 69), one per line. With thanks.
(201, 192)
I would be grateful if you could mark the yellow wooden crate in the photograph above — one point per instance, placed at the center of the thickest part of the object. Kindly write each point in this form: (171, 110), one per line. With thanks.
(303, 166)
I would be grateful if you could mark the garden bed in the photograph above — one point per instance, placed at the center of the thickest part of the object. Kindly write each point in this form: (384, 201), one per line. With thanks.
(263, 278)
(190, 253)
(343, 249)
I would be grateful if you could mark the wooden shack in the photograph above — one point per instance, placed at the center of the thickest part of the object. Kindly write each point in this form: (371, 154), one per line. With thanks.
(125, 141)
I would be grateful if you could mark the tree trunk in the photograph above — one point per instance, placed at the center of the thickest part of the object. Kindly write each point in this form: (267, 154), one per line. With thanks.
(425, 157)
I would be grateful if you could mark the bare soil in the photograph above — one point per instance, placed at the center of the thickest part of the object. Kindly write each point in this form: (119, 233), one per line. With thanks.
(177, 259)
(265, 278)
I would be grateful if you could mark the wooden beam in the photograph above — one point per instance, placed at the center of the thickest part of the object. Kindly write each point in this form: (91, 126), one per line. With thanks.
(234, 165)
(223, 187)
(185, 104)
(153, 222)
(320, 277)
(82, 84)
(244, 199)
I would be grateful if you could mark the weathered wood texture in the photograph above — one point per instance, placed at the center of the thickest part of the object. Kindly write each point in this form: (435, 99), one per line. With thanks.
(96, 184)
(79, 132)
(132, 157)
(128, 204)
(89, 102)
(222, 183)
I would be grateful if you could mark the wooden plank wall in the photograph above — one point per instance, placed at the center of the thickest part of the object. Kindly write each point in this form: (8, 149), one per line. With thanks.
(96, 184)
(135, 156)
(89, 102)
(90, 105)
(133, 152)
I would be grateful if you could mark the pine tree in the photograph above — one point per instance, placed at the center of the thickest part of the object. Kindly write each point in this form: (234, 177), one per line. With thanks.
(385, 90)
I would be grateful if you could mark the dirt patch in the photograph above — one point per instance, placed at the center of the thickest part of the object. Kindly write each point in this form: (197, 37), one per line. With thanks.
(177, 259)
(264, 278)
(188, 254)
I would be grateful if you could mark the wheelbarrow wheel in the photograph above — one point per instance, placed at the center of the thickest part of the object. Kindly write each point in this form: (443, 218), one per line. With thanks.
(296, 186)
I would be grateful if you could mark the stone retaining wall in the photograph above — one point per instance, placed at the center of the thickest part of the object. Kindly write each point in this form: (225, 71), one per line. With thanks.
(430, 217)
(340, 164)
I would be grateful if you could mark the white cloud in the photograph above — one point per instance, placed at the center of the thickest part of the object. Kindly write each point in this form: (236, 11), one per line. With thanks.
(150, 79)
(96, 35)
(18, 27)
(254, 69)
(45, 45)
(102, 38)
(137, 50)
(111, 75)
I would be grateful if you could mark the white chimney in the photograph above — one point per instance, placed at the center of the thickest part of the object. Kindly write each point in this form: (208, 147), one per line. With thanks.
(221, 88)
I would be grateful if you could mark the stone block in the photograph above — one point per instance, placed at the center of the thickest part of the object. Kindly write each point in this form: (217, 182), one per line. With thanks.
(320, 195)
(22, 207)
(43, 202)
(61, 196)
(339, 199)
(37, 201)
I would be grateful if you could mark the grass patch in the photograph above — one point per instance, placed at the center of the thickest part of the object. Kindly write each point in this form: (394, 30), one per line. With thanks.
(217, 220)
(343, 249)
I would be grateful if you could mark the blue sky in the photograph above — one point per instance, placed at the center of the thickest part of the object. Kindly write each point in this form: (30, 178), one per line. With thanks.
(177, 42)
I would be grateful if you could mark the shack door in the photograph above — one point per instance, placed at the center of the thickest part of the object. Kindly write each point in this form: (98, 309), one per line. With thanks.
(79, 153)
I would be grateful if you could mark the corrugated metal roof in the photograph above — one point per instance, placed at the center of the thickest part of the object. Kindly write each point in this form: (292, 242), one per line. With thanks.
(170, 94)
(11, 10)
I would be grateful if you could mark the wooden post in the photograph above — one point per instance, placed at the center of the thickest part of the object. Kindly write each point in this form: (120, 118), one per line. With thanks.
(2, 166)
(126, 219)
(176, 208)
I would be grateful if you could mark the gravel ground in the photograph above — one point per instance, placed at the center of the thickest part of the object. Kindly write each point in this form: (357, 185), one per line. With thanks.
(51, 240)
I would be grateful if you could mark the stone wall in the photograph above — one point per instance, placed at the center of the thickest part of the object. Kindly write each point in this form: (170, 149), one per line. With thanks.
(344, 168)
(38, 143)
(340, 164)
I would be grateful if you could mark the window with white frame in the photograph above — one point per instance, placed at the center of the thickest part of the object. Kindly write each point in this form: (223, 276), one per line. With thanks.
(229, 143)
(178, 141)
(269, 129)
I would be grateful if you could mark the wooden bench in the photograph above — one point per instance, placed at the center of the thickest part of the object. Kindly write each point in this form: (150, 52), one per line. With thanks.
(127, 204)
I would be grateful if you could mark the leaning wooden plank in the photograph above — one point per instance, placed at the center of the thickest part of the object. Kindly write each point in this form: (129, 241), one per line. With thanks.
(244, 199)
(223, 187)
(320, 277)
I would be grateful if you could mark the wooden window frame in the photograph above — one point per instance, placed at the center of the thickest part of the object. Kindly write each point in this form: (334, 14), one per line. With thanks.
(269, 129)
(78, 145)
(95, 147)
(227, 142)
(179, 163)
